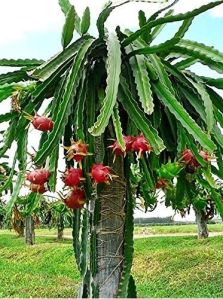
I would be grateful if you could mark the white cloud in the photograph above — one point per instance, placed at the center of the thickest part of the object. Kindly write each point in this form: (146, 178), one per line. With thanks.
(127, 16)
(218, 11)
(19, 18)
(184, 6)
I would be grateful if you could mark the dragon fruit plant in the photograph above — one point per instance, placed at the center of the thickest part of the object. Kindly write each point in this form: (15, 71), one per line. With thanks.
(117, 86)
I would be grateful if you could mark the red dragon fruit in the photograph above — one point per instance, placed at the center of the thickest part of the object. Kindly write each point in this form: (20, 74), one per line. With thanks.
(187, 156)
(42, 123)
(205, 155)
(117, 148)
(189, 159)
(38, 176)
(37, 188)
(77, 151)
(161, 184)
(75, 199)
(101, 173)
(73, 177)
(141, 145)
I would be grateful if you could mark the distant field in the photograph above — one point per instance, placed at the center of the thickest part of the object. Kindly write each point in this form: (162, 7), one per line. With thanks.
(148, 230)
(163, 267)
(172, 229)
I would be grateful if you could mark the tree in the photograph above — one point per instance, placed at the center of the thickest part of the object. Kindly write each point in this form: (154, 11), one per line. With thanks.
(2, 213)
(56, 214)
(17, 221)
(13, 219)
(204, 208)
(187, 194)
(29, 230)
(23, 216)
(112, 87)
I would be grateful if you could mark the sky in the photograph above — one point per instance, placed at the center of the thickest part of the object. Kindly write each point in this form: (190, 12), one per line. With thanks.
(32, 29)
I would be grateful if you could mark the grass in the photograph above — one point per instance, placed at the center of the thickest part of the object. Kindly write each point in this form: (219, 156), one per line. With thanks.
(179, 267)
(44, 270)
(163, 267)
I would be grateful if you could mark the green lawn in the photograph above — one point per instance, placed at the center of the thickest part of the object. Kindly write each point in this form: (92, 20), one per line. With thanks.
(179, 267)
(44, 270)
(163, 267)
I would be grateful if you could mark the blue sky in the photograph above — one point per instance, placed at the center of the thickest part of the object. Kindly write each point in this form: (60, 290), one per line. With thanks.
(205, 28)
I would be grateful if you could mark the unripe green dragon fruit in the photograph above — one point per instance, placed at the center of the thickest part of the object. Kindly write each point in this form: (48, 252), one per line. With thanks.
(170, 170)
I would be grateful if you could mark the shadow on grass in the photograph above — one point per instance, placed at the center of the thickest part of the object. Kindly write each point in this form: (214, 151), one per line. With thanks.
(41, 240)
